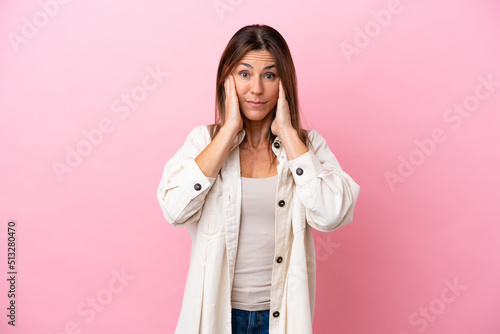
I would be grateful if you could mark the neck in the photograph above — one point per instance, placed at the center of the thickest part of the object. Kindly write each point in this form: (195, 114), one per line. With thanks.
(257, 132)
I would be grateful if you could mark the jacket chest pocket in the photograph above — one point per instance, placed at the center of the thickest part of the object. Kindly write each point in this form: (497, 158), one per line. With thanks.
(211, 220)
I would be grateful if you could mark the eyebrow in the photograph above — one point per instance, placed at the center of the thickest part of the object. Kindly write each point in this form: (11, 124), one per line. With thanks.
(265, 68)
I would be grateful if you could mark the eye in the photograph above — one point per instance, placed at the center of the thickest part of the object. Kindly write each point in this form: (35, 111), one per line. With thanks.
(270, 75)
(243, 74)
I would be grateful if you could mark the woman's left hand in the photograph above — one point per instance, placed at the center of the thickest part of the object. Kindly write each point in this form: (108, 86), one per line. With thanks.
(282, 121)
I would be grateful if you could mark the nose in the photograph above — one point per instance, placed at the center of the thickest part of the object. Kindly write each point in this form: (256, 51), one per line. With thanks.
(256, 86)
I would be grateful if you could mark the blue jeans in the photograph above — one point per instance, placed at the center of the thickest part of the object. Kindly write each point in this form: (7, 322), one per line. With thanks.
(249, 322)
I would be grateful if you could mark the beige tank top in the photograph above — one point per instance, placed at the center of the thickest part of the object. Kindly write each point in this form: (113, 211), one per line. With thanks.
(251, 289)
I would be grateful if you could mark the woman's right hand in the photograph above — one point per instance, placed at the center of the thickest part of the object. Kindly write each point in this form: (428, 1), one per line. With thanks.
(234, 121)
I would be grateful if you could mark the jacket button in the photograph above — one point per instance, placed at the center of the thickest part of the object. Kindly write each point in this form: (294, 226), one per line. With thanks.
(299, 171)
(197, 186)
(276, 314)
(279, 259)
(276, 144)
(281, 203)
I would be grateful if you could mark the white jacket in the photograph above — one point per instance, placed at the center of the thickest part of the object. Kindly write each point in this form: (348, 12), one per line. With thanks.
(316, 193)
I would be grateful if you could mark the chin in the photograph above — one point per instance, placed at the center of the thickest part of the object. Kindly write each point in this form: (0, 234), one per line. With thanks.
(256, 115)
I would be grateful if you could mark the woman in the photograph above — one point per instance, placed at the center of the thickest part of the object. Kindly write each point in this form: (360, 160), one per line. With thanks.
(249, 188)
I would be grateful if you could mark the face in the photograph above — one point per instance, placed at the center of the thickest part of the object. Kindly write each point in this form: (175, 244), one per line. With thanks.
(256, 80)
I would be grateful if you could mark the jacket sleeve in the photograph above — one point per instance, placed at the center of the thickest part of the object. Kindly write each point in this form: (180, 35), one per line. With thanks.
(326, 191)
(183, 187)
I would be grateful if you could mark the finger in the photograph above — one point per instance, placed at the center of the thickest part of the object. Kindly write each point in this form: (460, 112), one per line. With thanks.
(232, 86)
(281, 94)
(227, 85)
(228, 94)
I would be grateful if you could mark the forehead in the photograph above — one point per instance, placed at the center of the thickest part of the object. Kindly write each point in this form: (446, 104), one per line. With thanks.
(262, 57)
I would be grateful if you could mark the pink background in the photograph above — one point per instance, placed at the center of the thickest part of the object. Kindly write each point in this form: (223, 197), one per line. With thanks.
(389, 271)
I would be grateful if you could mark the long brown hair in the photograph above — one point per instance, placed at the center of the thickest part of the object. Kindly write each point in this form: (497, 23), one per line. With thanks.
(258, 37)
